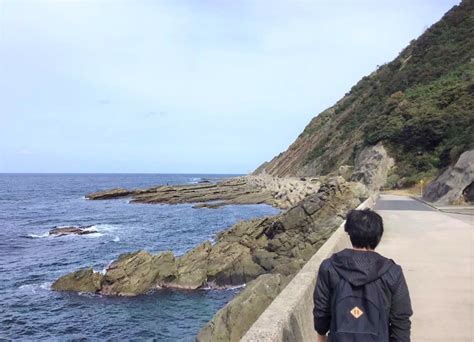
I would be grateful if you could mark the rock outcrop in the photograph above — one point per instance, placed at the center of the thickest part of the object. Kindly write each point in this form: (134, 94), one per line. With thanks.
(280, 244)
(232, 321)
(113, 193)
(468, 193)
(136, 273)
(83, 280)
(61, 231)
(455, 184)
(372, 166)
(278, 192)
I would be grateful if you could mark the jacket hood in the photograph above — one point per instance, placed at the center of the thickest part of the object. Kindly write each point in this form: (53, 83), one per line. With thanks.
(360, 267)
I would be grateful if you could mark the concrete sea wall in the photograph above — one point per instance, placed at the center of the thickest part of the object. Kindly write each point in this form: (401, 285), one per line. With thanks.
(290, 316)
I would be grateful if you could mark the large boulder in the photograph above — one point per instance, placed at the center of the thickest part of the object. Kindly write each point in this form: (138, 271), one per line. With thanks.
(232, 264)
(233, 320)
(136, 273)
(372, 166)
(191, 271)
(455, 183)
(83, 280)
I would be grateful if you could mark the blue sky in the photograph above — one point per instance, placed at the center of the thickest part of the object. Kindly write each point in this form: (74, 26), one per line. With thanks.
(182, 86)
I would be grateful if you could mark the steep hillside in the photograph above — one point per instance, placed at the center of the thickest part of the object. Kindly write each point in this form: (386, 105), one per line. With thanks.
(420, 106)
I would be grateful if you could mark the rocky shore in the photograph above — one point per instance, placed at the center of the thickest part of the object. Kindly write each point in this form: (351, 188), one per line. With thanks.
(280, 244)
(262, 253)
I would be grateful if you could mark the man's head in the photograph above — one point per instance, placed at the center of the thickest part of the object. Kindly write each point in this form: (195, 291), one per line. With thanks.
(365, 228)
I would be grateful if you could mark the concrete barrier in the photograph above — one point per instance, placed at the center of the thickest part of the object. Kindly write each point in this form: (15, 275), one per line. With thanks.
(290, 316)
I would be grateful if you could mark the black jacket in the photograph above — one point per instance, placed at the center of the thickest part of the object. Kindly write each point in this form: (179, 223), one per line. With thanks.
(359, 268)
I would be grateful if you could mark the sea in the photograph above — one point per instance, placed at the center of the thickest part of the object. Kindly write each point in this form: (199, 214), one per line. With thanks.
(30, 260)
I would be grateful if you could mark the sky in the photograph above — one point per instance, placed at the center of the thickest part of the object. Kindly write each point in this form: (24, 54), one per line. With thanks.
(178, 86)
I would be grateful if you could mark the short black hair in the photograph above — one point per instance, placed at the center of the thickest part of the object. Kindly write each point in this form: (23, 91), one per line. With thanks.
(365, 228)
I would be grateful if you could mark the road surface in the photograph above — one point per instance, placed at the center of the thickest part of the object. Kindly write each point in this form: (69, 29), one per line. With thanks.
(435, 251)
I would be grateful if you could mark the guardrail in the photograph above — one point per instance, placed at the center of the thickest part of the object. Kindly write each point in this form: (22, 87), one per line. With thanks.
(290, 316)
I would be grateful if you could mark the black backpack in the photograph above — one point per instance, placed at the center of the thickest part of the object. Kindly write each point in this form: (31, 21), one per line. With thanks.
(358, 313)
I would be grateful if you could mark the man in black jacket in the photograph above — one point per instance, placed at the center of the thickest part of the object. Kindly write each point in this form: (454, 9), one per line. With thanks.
(362, 267)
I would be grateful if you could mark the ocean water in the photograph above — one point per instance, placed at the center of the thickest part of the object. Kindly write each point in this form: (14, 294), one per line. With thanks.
(31, 204)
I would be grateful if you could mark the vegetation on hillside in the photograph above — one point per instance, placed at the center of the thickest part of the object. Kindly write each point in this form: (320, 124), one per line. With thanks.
(420, 105)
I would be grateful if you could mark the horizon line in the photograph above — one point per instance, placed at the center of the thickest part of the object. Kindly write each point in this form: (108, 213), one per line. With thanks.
(120, 173)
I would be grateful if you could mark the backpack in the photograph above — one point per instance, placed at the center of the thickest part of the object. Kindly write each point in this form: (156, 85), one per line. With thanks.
(358, 313)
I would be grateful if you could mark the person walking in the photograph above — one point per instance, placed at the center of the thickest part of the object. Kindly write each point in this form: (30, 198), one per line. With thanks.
(360, 295)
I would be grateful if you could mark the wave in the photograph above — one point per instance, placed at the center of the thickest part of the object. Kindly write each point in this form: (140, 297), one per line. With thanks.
(212, 286)
(46, 235)
(68, 236)
(99, 230)
(195, 180)
(104, 270)
(46, 285)
(33, 288)
(89, 295)
(236, 287)
(91, 236)
(36, 236)
(104, 227)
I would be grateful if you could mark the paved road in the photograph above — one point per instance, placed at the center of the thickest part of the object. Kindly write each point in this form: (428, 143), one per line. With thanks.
(435, 251)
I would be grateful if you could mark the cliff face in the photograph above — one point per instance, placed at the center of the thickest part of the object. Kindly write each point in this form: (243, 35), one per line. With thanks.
(419, 106)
